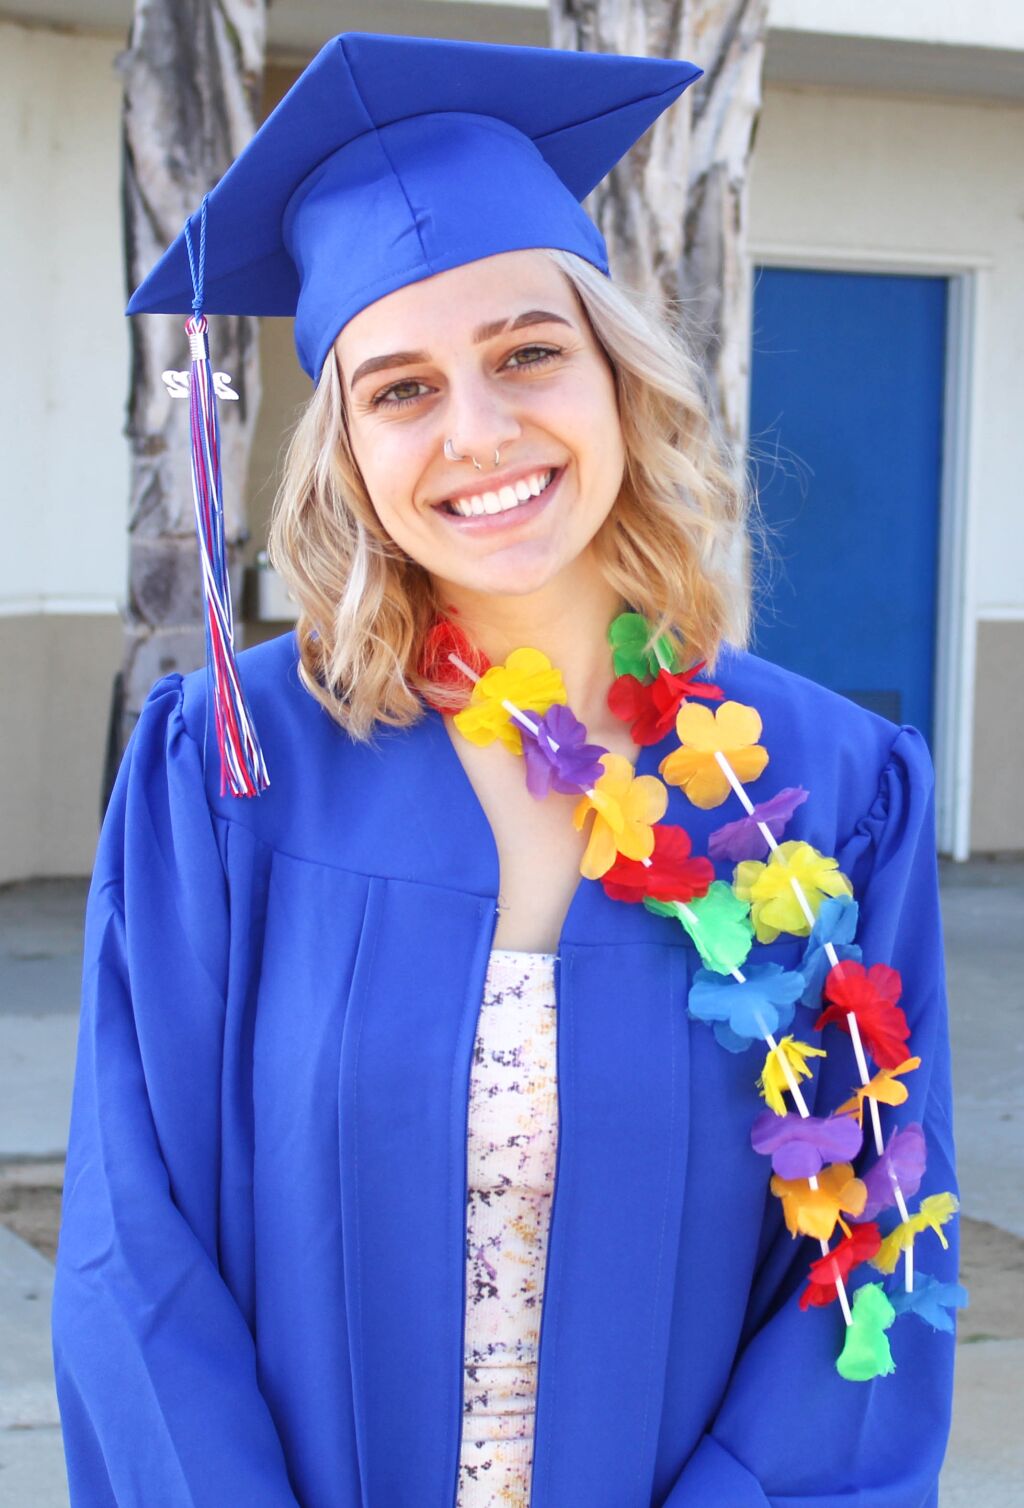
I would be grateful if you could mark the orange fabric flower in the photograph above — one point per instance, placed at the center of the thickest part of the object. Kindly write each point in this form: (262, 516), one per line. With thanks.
(625, 806)
(732, 730)
(815, 1212)
(882, 1087)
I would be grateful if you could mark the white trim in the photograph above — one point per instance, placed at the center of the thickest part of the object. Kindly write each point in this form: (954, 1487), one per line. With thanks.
(79, 607)
(956, 609)
(959, 495)
(868, 259)
(1001, 613)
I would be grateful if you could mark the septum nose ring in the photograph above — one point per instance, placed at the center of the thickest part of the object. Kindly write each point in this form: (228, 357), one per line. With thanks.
(450, 453)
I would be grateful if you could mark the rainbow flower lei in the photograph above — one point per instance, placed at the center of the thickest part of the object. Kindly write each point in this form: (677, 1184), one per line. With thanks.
(777, 887)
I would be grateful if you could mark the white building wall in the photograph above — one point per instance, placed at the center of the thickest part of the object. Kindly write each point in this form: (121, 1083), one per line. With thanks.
(64, 376)
(63, 484)
(982, 23)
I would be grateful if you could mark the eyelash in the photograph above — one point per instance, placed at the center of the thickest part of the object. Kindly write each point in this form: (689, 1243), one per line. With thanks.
(381, 400)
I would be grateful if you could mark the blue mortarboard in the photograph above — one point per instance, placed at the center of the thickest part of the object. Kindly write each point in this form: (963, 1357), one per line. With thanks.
(392, 158)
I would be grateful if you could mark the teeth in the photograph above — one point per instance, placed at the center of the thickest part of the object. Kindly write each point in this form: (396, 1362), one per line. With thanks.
(508, 497)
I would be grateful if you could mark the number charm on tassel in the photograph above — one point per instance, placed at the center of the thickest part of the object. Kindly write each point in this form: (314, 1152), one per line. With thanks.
(176, 384)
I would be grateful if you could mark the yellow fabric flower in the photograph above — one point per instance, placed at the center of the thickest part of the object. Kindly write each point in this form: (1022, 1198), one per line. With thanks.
(528, 680)
(731, 729)
(773, 1082)
(774, 907)
(935, 1211)
(815, 1212)
(882, 1087)
(624, 806)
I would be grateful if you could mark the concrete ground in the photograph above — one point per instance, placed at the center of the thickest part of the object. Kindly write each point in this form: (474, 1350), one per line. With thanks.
(983, 903)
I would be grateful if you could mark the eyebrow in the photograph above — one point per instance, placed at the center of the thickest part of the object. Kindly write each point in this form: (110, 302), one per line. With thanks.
(480, 334)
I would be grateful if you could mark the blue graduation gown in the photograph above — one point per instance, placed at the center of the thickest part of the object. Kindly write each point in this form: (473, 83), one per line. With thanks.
(259, 1291)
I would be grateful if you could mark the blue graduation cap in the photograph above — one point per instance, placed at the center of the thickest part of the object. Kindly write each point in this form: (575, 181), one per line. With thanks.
(390, 159)
(393, 158)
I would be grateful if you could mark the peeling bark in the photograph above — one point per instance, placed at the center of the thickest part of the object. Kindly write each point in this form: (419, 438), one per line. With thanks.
(674, 212)
(192, 75)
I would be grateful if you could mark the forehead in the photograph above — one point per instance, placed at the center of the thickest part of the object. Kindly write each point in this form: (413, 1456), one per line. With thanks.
(455, 302)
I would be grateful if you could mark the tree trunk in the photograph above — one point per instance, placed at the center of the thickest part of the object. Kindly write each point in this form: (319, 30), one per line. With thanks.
(193, 74)
(674, 213)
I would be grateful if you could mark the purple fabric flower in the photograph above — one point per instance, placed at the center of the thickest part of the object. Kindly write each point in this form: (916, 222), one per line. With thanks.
(836, 923)
(570, 767)
(741, 1012)
(800, 1146)
(904, 1157)
(744, 839)
(929, 1299)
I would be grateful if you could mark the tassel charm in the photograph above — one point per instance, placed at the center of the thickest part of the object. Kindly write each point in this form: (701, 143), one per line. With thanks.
(242, 767)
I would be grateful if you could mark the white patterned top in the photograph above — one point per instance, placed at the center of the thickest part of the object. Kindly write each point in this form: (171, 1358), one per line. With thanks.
(511, 1152)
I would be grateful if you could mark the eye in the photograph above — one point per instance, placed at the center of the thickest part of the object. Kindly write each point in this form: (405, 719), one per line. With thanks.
(525, 356)
(547, 353)
(381, 399)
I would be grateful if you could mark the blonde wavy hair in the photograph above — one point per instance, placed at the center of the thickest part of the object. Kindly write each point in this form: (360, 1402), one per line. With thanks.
(673, 544)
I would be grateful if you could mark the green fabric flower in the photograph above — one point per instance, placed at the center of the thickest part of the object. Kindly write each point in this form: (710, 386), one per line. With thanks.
(722, 933)
(627, 634)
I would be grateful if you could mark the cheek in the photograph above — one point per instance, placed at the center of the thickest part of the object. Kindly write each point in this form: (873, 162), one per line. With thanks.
(604, 442)
(390, 466)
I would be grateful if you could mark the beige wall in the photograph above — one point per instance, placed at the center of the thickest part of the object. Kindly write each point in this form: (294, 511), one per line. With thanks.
(56, 674)
(997, 814)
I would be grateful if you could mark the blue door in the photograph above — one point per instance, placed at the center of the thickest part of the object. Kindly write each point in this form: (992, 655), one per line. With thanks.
(846, 445)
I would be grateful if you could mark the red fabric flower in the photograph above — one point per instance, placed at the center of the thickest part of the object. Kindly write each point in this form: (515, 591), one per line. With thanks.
(652, 709)
(672, 876)
(440, 640)
(871, 996)
(859, 1246)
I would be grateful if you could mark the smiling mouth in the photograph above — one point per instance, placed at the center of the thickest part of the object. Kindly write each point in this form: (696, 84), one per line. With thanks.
(507, 500)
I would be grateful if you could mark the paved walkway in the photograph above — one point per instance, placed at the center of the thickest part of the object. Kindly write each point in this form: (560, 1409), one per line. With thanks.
(40, 960)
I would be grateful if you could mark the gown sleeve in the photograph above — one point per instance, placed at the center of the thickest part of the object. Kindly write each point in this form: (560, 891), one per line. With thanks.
(789, 1430)
(155, 1365)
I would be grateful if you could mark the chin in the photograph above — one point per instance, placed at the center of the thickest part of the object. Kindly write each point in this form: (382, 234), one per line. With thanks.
(511, 580)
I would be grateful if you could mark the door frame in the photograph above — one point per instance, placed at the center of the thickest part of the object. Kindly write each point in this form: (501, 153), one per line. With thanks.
(954, 650)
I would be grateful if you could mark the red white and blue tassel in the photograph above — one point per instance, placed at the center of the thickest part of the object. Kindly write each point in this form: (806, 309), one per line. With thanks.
(242, 768)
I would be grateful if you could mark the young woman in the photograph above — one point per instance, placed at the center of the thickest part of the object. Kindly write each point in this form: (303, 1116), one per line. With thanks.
(412, 1160)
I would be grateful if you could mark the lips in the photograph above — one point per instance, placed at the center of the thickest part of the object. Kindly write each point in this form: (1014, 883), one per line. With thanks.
(499, 499)
(520, 512)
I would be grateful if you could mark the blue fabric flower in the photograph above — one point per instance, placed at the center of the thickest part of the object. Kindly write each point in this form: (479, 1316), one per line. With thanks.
(741, 1013)
(836, 923)
(929, 1299)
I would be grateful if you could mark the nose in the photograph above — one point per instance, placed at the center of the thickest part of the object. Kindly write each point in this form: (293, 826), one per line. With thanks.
(479, 421)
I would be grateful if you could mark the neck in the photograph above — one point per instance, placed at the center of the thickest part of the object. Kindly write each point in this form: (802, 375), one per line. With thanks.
(567, 619)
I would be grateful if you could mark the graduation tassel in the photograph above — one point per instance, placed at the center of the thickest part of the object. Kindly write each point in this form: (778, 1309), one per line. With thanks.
(242, 767)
